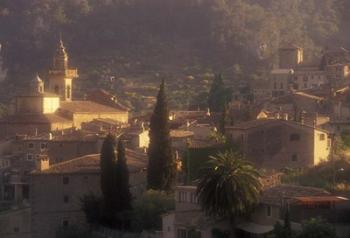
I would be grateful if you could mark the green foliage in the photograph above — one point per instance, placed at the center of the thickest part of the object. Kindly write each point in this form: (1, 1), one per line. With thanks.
(123, 197)
(218, 95)
(321, 176)
(239, 32)
(196, 158)
(229, 186)
(317, 228)
(114, 207)
(3, 110)
(122, 180)
(91, 205)
(149, 208)
(161, 166)
(285, 230)
(108, 185)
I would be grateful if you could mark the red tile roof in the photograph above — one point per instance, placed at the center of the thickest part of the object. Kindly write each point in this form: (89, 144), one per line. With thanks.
(87, 107)
(275, 195)
(34, 119)
(136, 161)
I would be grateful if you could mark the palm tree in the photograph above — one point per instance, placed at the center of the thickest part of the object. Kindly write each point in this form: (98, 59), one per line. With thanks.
(229, 186)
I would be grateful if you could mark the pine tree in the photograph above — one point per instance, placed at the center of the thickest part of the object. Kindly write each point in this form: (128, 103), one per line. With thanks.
(161, 165)
(122, 180)
(107, 164)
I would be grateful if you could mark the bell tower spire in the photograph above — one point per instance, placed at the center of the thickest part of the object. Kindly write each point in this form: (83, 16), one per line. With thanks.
(60, 76)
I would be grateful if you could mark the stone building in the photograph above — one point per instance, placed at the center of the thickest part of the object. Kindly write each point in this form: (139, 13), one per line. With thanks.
(280, 82)
(308, 78)
(18, 158)
(46, 108)
(188, 220)
(57, 190)
(290, 57)
(276, 144)
(338, 75)
(15, 223)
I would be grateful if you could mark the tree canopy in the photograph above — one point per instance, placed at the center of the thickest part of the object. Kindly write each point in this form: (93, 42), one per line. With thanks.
(231, 32)
(161, 166)
(229, 186)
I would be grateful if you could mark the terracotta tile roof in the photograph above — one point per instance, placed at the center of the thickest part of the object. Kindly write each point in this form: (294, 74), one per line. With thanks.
(275, 195)
(320, 199)
(262, 122)
(105, 98)
(37, 94)
(137, 161)
(253, 124)
(180, 133)
(34, 119)
(87, 107)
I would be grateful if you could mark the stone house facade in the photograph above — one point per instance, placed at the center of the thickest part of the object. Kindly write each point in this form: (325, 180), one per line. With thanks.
(56, 190)
(276, 144)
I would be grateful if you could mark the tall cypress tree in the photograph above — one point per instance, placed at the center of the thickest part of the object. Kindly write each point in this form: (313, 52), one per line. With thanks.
(107, 164)
(122, 180)
(161, 164)
(217, 95)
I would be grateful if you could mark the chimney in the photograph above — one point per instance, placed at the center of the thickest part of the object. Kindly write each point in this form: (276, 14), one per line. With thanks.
(42, 163)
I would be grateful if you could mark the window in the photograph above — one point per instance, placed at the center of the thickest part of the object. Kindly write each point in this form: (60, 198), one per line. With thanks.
(65, 223)
(268, 211)
(182, 196)
(294, 157)
(322, 137)
(43, 146)
(181, 233)
(57, 89)
(281, 85)
(30, 145)
(15, 229)
(65, 180)
(294, 137)
(66, 199)
(30, 157)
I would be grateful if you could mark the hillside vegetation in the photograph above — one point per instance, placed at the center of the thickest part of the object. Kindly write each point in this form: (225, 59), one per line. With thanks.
(139, 39)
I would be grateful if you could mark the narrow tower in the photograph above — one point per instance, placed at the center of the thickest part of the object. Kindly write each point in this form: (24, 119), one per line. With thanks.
(37, 85)
(60, 76)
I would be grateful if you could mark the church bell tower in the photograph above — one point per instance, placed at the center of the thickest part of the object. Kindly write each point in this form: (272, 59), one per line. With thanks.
(60, 76)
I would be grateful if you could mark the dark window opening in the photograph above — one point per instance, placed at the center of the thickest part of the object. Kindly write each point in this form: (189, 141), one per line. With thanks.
(65, 180)
(294, 137)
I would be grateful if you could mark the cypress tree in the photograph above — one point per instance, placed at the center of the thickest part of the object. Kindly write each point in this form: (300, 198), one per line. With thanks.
(161, 164)
(122, 180)
(287, 225)
(107, 164)
(217, 95)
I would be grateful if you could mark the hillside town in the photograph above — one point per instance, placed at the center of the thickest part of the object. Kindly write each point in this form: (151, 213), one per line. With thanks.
(114, 126)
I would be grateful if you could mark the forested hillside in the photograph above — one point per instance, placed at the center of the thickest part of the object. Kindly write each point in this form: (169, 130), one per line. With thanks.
(126, 37)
